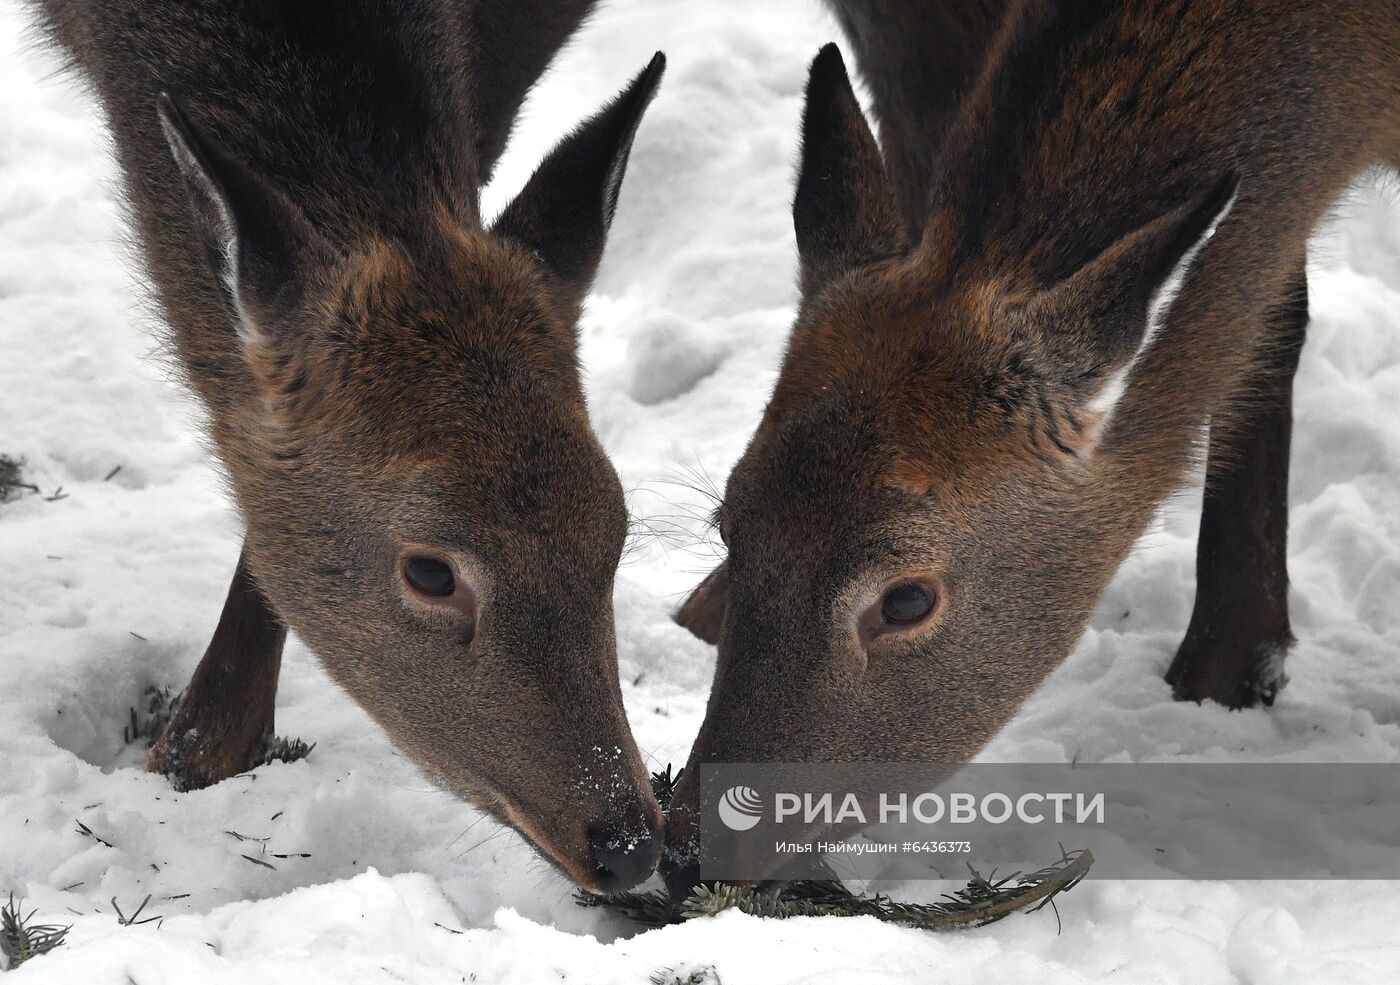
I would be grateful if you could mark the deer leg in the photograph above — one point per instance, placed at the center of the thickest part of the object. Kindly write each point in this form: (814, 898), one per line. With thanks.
(1239, 633)
(225, 716)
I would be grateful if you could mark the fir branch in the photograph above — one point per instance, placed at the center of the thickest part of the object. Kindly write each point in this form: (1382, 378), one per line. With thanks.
(12, 484)
(980, 902)
(984, 900)
(21, 940)
(651, 909)
(663, 786)
(696, 976)
(159, 704)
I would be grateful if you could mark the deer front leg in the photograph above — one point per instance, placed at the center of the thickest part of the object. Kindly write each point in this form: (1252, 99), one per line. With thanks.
(225, 717)
(1239, 633)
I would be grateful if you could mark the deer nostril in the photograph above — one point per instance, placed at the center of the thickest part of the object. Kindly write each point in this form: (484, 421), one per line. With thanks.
(622, 856)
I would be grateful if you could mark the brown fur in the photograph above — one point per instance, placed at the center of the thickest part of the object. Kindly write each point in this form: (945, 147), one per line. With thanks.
(916, 84)
(385, 375)
(937, 407)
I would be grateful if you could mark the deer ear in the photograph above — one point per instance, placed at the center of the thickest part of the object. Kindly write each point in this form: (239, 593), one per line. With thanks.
(1096, 325)
(844, 211)
(563, 213)
(703, 610)
(258, 242)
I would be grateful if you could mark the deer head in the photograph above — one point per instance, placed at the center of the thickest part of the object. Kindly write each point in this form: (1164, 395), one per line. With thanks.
(932, 502)
(426, 503)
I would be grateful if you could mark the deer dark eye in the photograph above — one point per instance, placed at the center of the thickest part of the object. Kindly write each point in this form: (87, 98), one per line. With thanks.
(429, 576)
(906, 604)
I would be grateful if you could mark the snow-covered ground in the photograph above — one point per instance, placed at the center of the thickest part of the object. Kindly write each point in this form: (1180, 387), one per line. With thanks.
(117, 585)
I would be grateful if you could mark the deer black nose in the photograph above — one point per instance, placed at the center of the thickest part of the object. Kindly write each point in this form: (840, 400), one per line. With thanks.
(623, 855)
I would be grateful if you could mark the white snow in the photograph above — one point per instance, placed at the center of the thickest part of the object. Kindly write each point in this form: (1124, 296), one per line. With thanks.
(681, 343)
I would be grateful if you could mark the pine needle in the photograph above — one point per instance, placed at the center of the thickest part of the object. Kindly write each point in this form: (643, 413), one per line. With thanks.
(283, 750)
(21, 940)
(132, 921)
(159, 705)
(87, 832)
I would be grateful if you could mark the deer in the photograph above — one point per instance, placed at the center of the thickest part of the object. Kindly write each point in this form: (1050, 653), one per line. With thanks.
(1012, 345)
(391, 384)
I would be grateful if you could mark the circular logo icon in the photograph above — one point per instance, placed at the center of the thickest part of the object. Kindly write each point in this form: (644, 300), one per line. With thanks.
(740, 808)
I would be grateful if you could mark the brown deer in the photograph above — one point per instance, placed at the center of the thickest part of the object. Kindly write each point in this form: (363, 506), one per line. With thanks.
(974, 423)
(391, 384)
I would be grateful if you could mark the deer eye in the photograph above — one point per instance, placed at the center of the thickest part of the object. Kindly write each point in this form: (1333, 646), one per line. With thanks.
(906, 604)
(429, 576)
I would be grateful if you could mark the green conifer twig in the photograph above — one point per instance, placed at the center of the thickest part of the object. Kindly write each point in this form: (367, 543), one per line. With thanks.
(984, 900)
(21, 940)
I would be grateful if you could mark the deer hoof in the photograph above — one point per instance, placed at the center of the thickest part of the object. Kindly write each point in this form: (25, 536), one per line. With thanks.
(194, 757)
(1236, 677)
